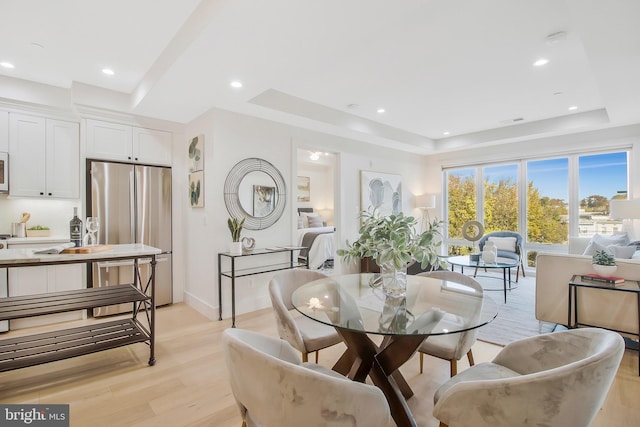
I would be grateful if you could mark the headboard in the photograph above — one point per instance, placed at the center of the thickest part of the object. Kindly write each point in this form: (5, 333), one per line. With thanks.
(307, 210)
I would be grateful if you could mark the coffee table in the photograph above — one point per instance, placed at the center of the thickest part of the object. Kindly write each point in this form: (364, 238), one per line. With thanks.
(505, 264)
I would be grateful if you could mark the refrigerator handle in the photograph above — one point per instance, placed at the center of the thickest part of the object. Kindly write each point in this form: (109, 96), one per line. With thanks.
(132, 204)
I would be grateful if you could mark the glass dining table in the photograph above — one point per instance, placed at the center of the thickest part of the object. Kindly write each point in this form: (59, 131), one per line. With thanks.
(358, 308)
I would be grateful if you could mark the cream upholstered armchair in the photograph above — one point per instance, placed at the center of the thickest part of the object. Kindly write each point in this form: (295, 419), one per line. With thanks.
(451, 347)
(273, 389)
(555, 379)
(304, 334)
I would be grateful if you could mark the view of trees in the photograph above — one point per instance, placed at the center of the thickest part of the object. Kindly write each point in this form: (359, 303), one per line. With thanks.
(546, 218)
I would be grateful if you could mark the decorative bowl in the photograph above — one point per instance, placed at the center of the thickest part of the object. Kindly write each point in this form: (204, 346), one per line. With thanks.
(38, 233)
(605, 270)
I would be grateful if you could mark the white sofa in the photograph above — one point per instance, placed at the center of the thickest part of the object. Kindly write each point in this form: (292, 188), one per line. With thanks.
(613, 310)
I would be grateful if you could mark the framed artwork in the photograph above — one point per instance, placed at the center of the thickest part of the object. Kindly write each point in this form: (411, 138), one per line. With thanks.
(196, 189)
(382, 191)
(264, 200)
(196, 154)
(304, 189)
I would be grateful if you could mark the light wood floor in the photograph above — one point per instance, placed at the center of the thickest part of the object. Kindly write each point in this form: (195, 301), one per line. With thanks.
(188, 385)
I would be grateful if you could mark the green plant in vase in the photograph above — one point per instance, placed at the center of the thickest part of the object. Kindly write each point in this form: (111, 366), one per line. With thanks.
(393, 242)
(235, 227)
(604, 263)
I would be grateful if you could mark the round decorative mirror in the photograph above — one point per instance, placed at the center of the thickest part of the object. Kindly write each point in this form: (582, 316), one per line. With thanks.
(254, 189)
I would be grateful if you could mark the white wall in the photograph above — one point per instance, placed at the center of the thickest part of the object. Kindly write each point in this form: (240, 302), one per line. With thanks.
(229, 138)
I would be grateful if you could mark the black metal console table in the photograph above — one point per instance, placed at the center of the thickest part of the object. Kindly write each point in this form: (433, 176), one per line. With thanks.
(233, 272)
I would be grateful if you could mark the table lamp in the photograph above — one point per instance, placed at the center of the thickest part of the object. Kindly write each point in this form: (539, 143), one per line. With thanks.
(627, 211)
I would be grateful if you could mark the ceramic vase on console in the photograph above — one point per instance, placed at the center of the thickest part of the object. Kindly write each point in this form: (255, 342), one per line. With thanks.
(605, 270)
(489, 253)
(235, 248)
(394, 280)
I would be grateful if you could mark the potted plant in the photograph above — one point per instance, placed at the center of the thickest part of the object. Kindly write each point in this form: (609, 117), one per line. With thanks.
(235, 227)
(393, 242)
(604, 263)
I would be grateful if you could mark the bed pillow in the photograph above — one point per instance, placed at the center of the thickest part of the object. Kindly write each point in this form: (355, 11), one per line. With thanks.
(504, 243)
(300, 222)
(315, 221)
(599, 242)
(305, 218)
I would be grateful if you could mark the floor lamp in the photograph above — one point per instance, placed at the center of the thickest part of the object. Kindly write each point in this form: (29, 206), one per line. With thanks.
(424, 202)
(627, 211)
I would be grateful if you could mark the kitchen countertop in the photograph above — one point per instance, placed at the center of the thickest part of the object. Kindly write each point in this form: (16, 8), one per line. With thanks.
(17, 257)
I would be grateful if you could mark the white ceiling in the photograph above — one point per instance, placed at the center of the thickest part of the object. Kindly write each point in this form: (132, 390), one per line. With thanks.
(461, 66)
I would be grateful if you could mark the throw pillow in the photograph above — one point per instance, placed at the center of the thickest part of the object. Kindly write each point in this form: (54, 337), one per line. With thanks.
(599, 242)
(504, 243)
(300, 222)
(622, 252)
(315, 221)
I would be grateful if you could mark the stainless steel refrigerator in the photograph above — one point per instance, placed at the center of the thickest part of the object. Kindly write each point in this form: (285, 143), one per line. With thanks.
(133, 205)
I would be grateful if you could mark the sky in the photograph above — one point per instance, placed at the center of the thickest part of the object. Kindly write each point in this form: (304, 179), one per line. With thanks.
(599, 174)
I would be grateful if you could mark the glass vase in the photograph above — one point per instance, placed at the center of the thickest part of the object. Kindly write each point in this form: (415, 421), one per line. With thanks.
(394, 281)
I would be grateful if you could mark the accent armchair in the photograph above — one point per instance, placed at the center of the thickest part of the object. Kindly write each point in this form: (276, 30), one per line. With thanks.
(507, 247)
(555, 379)
(304, 334)
(273, 389)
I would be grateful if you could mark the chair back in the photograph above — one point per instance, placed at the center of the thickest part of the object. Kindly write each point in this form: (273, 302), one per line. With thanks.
(281, 286)
(273, 389)
(555, 379)
(501, 252)
(467, 338)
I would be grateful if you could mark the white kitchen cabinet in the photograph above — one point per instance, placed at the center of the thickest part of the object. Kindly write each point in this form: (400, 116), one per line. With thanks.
(45, 157)
(42, 280)
(112, 141)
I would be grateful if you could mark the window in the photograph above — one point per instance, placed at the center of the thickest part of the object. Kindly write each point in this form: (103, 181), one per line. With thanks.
(561, 197)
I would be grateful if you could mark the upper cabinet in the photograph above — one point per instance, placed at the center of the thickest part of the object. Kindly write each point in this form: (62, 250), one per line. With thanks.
(45, 157)
(112, 141)
(4, 131)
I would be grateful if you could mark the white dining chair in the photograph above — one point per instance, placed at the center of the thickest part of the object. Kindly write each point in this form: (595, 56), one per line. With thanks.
(451, 347)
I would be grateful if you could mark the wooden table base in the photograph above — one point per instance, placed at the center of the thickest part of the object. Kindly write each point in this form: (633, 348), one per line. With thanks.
(364, 358)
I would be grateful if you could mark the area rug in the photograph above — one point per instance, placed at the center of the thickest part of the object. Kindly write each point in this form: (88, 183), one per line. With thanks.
(516, 319)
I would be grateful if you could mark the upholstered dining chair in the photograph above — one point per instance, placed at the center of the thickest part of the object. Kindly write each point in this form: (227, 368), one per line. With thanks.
(272, 388)
(507, 247)
(555, 379)
(304, 334)
(451, 347)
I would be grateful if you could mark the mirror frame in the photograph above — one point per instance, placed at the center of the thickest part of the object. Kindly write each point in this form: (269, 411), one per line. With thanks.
(232, 200)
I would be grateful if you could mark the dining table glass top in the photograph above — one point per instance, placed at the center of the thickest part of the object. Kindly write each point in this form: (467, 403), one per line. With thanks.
(431, 306)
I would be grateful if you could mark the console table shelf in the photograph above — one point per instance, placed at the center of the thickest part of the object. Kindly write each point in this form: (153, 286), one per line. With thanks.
(233, 273)
(35, 349)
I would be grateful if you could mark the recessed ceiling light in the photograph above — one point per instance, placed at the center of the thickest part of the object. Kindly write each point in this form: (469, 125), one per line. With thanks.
(7, 65)
(446, 133)
(540, 62)
(108, 71)
(380, 110)
(314, 156)
(236, 83)
(573, 108)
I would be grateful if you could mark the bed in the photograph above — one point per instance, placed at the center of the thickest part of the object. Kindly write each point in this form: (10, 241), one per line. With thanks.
(317, 237)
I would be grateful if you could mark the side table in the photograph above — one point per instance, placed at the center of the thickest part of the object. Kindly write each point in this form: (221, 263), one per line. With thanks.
(577, 281)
